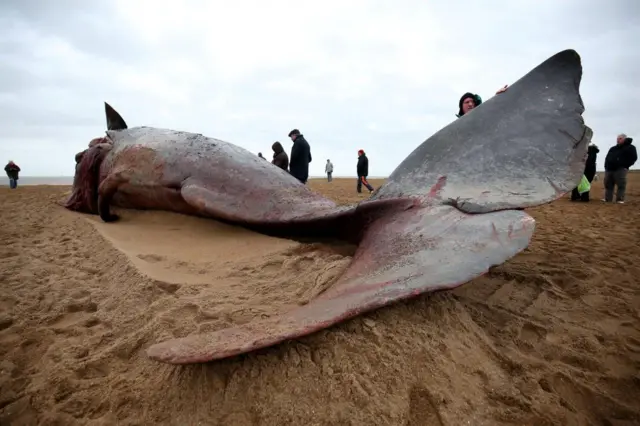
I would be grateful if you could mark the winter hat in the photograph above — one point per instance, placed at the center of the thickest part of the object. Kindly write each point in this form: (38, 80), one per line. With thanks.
(476, 99)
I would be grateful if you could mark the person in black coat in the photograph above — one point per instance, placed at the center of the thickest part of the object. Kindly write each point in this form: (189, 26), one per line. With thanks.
(616, 166)
(13, 172)
(300, 156)
(363, 171)
(589, 172)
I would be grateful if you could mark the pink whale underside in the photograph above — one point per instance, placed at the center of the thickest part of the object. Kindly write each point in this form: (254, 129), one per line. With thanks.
(449, 212)
(422, 249)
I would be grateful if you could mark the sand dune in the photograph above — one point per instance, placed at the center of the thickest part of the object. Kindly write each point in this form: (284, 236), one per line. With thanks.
(552, 337)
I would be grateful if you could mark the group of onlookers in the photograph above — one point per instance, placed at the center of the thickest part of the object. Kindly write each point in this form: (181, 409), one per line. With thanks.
(298, 164)
(619, 159)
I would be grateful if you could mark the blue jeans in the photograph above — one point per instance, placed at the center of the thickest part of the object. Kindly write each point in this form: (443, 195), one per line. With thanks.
(13, 183)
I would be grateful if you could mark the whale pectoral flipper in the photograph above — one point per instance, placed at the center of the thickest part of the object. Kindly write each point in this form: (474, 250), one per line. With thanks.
(106, 191)
(221, 205)
(402, 254)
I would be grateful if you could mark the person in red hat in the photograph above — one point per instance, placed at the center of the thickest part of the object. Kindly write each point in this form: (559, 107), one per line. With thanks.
(363, 171)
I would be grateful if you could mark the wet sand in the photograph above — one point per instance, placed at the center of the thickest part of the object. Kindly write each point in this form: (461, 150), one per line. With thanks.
(552, 337)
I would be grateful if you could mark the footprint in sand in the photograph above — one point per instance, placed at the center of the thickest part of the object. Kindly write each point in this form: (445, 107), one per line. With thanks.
(532, 334)
(422, 408)
(152, 258)
(5, 322)
(76, 314)
(93, 370)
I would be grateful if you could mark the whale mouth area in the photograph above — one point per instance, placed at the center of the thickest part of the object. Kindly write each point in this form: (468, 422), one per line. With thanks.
(84, 194)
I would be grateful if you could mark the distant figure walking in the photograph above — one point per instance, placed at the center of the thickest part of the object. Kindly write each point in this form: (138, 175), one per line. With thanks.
(363, 171)
(12, 171)
(616, 166)
(260, 155)
(589, 172)
(280, 158)
(300, 156)
(328, 169)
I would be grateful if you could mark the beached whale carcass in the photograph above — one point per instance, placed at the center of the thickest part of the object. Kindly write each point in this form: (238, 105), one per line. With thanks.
(449, 211)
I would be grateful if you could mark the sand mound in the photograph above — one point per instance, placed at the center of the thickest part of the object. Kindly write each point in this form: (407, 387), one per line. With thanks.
(181, 249)
(549, 338)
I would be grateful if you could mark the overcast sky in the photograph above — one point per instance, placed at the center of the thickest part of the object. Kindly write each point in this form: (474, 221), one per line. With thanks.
(377, 75)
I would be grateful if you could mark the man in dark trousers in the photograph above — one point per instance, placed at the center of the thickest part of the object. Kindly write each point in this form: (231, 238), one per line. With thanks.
(300, 156)
(589, 172)
(12, 171)
(616, 166)
(363, 171)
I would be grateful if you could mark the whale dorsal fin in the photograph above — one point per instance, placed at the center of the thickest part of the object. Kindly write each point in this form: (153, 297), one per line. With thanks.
(114, 120)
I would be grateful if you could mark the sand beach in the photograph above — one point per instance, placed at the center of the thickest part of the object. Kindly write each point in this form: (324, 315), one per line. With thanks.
(551, 337)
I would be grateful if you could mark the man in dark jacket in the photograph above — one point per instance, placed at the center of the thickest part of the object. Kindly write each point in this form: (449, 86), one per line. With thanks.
(616, 166)
(363, 171)
(589, 172)
(280, 157)
(12, 171)
(300, 156)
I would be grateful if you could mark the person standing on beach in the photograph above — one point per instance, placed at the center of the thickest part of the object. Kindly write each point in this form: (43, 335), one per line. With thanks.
(12, 171)
(363, 171)
(300, 156)
(280, 158)
(620, 157)
(589, 173)
(328, 169)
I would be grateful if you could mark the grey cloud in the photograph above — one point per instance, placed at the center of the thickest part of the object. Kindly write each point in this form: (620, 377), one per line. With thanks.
(90, 26)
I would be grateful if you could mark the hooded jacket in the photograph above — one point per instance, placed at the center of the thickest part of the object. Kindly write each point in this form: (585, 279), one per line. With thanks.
(280, 158)
(477, 100)
(621, 156)
(590, 164)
